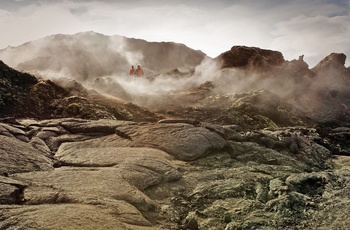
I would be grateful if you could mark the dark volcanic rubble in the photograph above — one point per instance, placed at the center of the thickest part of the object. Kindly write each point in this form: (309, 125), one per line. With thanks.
(273, 154)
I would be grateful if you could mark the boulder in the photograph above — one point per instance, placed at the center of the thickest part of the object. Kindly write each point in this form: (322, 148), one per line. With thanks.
(183, 141)
(333, 62)
(250, 58)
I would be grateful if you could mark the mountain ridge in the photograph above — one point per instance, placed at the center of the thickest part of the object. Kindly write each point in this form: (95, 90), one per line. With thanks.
(74, 54)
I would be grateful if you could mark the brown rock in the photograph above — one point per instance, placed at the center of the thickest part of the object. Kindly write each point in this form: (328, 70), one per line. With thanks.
(250, 58)
(17, 156)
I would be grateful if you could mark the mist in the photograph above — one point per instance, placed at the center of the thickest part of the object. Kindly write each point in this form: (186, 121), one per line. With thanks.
(174, 75)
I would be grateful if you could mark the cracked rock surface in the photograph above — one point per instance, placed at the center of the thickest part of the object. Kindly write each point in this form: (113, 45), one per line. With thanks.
(108, 174)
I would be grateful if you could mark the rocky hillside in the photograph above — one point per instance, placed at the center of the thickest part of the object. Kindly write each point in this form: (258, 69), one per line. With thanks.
(254, 142)
(23, 95)
(257, 88)
(86, 56)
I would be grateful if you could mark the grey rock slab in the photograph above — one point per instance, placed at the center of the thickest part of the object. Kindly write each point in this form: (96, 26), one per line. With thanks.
(142, 167)
(17, 156)
(11, 129)
(104, 188)
(77, 153)
(40, 145)
(183, 141)
(70, 217)
(104, 126)
(54, 142)
(84, 184)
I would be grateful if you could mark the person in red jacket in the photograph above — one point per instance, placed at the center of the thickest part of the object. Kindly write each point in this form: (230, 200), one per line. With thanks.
(139, 71)
(132, 71)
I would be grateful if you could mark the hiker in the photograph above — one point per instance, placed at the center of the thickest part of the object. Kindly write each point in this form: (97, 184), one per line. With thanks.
(139, 71)
(132, 71)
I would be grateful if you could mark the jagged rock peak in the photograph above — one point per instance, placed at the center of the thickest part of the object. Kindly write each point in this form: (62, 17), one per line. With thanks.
(250, 57)
(334, 60)
(7, 74)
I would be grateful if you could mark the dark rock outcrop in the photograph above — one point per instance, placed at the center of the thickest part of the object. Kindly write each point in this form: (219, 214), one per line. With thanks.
(23, 95)
(330, 91)
(250, 58)
(321, 93)
(332, 64)
(14, 89)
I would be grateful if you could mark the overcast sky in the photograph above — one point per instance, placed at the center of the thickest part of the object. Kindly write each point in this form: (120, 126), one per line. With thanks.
(314, 28)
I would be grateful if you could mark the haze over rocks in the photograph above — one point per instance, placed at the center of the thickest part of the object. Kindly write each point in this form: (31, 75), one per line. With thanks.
(246, 140)
(88, 55)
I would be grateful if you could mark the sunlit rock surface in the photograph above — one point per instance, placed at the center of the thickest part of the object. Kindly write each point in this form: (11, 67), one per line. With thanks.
(134, 175)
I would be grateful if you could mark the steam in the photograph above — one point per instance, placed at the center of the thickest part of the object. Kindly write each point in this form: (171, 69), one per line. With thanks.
(102, 63)
(118, 46)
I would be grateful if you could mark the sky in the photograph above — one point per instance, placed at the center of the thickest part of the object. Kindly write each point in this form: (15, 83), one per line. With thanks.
(313, 28)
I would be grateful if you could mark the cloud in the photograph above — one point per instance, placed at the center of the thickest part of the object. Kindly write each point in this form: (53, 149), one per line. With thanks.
(315, 37)
(4, 13)
(314, 28)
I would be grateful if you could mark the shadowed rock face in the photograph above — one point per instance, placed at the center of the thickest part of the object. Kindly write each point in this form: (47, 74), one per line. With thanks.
(252, 58)
(333, 62)
(23, 95)
(14, 89)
